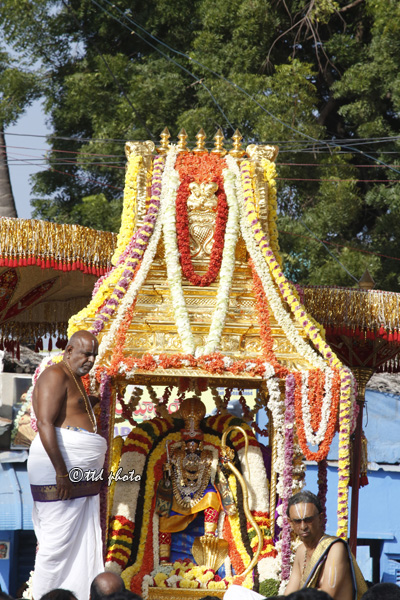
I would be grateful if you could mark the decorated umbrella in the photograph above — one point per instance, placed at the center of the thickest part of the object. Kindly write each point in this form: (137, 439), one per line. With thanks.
(363, 328)
(47, 273)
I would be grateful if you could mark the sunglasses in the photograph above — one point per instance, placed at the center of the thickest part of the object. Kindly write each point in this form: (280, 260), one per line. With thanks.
(306, 520)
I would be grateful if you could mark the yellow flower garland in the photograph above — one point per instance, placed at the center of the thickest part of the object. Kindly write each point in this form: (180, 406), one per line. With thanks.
(269, 168)
(237, 536)
(78, 321)
(128, 573)
(129, 210)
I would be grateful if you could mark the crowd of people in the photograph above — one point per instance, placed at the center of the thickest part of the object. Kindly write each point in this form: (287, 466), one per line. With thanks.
(109, 586)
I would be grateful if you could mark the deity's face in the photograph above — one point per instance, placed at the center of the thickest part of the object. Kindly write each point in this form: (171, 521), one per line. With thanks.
(192, 446)
(306, 522)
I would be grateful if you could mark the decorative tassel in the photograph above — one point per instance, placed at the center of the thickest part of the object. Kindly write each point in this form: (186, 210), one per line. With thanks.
(18, 351)
(50, 345)
(364, 461)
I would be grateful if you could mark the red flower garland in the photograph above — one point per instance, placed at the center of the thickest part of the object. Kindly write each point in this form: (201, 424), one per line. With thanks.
(201, 169)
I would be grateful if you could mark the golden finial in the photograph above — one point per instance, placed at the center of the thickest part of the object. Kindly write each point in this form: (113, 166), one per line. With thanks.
(164, 146)
(237, 151)
(219, 143)
(200, 144)
(182, 137)
(366, 282)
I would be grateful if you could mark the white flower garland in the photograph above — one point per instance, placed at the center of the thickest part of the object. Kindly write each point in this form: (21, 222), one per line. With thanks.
(148, 257)
(256, 479)
(262, 269)
(174, 273)
(276, 405)
(227, 266)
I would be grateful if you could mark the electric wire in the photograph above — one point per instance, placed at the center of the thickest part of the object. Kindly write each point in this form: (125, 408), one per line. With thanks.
(219, 76)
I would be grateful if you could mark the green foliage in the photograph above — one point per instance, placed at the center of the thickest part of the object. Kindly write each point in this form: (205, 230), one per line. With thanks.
(269, 587)
(322, 69)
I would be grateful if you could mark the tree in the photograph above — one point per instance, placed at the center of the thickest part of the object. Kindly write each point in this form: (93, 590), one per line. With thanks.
(292, 72)
(18, 88)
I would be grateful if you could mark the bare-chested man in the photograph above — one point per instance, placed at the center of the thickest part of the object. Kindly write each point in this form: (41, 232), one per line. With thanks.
(322, 561)
(65, 471)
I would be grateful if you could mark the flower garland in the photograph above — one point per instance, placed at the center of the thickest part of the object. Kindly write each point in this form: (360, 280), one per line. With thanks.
(315, 412)
(137, 248)
(344, 460)
(252, 232)
(306, 322)
(168, 187)
(137, 446)
(206, 168)
(269, 169)
(287, 474)
(174, 274)
(119, 277)
(117, 445)
(128, 216)
(265, 328)
(331, 411)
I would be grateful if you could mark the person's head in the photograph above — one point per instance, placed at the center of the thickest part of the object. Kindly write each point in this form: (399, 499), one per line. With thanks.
(382, 591)
(106, 584)
(81, 352)
(59, 594)
(306, 516)
(309, 594)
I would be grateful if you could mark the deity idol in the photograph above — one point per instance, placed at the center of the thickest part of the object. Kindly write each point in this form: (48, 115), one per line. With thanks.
(186, 488)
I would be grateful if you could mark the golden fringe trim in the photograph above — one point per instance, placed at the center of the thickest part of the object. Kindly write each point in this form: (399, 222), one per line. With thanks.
(25, 242)
(352, 308)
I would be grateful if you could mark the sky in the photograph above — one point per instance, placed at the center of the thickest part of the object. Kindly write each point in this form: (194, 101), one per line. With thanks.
(24, 151)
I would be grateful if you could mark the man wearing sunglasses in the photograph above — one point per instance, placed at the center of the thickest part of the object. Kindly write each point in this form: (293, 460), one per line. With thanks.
(322, 561)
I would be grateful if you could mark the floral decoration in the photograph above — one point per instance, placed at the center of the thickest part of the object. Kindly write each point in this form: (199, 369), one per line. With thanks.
(200, 169)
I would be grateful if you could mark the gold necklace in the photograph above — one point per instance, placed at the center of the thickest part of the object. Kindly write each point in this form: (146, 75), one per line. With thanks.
(85, 397)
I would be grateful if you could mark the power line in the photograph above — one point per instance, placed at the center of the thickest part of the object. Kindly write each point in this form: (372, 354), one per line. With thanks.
(218, 75)
(328, 251)
(307, 237)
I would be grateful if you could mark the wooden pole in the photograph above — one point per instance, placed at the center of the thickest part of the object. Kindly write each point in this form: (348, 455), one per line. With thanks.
(362, 376)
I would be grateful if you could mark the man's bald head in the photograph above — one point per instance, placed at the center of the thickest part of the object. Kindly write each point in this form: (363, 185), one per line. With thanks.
(79, 336)
(106, 584)
(81, 351)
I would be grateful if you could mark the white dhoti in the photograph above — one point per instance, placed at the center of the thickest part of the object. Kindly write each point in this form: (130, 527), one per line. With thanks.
(70, 550)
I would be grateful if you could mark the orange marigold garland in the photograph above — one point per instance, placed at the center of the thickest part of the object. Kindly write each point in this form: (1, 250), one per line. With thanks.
(200, 169)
